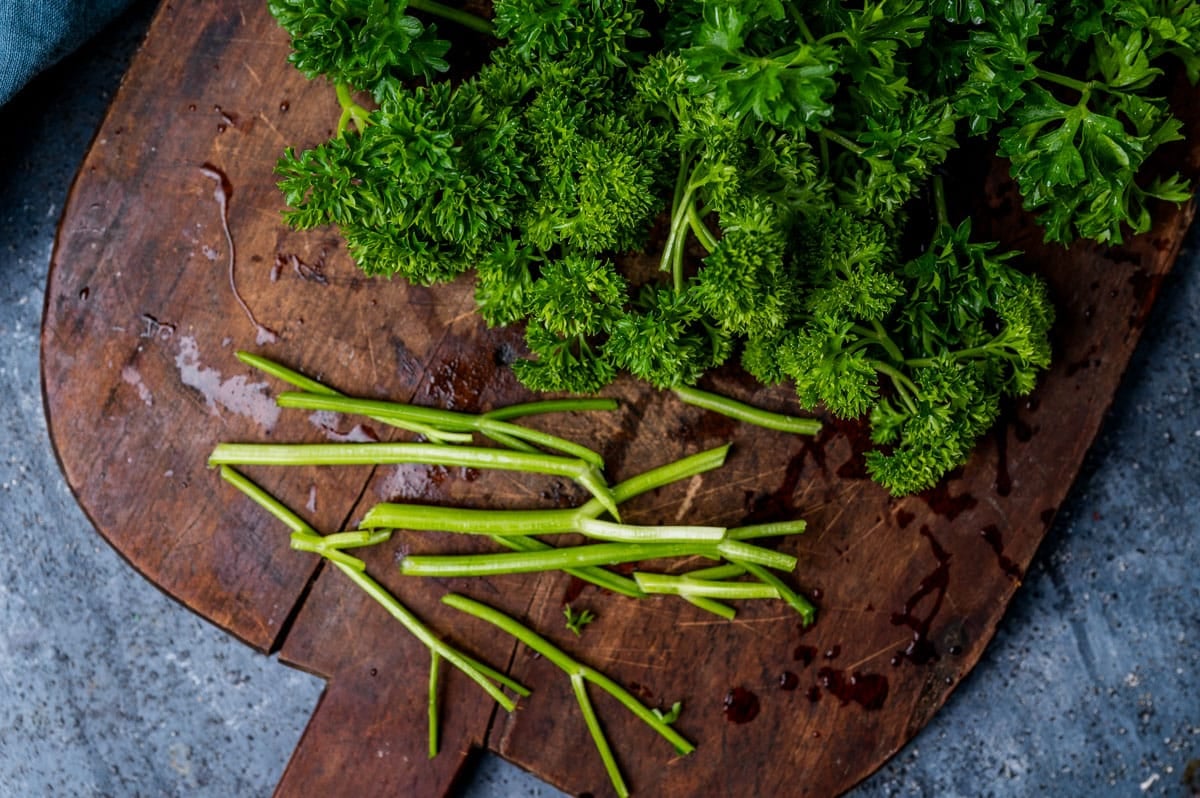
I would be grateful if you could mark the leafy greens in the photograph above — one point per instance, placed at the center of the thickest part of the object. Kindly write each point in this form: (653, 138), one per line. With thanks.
(658, 187)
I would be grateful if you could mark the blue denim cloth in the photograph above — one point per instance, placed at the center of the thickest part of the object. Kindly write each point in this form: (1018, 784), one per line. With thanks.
(35, 34)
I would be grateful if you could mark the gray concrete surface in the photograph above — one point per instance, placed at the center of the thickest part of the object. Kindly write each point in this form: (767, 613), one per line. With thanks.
(107, 687)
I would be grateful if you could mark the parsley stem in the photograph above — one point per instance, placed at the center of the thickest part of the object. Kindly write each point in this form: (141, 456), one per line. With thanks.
(351, 110)
(571, 405)
(838, 138)
(747, 413)
(714, 572)
(629, 533)
(579, 687)
(905, 387)
(711, 605)
(438, 420)
(309, 385)
(1080, 86)
(484, 676)
(387, 453)
(797, 602)
(590, 554)
(435, 661)
(569, 665)
(704, 588)
(502, 523)
(939, 201)
(771, 529)
(464, 18)
(700, 229)
(595, 575)
(512, 523)
(555, 559)
(426, 635)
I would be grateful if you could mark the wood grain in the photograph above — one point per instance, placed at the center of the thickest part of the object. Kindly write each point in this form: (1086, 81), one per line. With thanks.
(140, 379)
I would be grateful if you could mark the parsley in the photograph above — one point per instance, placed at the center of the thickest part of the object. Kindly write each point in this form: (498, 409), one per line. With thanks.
(656, 189)
(577, 619)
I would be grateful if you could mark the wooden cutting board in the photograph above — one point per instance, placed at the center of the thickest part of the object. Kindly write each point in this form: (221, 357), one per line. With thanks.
(140, 379)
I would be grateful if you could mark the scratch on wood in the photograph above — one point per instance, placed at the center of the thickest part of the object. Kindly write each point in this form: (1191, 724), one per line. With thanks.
(685, 506)
(884, 650)
(278, 135)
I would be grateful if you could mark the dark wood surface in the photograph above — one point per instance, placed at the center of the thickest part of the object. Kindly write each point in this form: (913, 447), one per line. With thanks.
(140, 379)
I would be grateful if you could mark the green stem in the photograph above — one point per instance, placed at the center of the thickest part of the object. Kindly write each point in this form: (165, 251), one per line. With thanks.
(984, 350)
(579, 686)
(435, 662)
(630, 533)
(480, 674)
(715, 572)
(301, 541)
(298, 380)
(437, 419)
(797, 602)
(876, 335)
(672, 257)
(569, 665)
(351, 110)
(1069, 82)
(599, 577)
(771, 529)
(939, 201)
(746, 413)
(838, 138)
(704, 588)
(711, 605)
(906, 387)
(387, 453)
(746, 554)
(576, 405)
(464, 18)
(588, 555)
(470, 521)
(423, 633)
(700, 229)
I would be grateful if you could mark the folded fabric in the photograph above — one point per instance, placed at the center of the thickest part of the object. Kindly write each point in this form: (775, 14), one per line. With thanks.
(35, 34)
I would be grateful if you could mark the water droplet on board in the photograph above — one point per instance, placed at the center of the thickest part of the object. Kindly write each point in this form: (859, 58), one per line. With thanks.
(741, 705)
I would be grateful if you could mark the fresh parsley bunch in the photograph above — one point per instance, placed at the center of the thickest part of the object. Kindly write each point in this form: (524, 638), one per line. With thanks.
(654, 188)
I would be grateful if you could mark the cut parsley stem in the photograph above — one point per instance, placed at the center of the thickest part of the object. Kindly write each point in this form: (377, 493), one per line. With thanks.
(435, 662)
(436, 418)
(573, 405)
(704, 588)
(537, 522)
(527, 522)
(797, 602)
(298, 380)
(579, 674)
(747, 413)
(595, 575)
(591, 554)
(486, 677)
(385, 453)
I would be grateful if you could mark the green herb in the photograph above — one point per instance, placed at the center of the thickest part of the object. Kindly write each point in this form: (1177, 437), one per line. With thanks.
(486, 677)
(775, 160)
(670, 716)
(577, 619)
(580, 675)
(387, 453)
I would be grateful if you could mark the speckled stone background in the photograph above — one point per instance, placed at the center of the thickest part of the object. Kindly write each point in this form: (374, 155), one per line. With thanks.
(107, 687)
